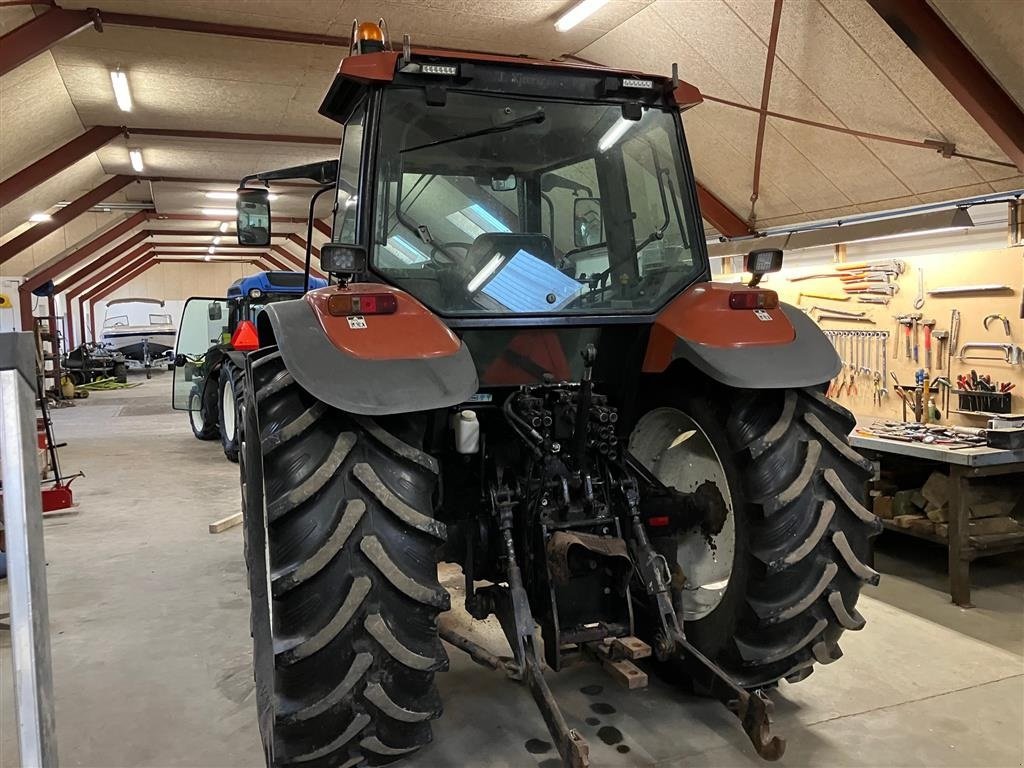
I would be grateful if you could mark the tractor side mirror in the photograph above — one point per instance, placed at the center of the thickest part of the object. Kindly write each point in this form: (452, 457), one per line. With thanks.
(760, 262)
(587, 226)
(253, 217)
(214, 311)
(342, 259)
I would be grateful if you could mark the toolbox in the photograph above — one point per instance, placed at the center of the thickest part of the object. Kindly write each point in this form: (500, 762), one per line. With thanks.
(1008, 439)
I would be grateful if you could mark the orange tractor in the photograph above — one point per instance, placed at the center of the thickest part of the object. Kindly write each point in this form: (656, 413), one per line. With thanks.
(521, 366)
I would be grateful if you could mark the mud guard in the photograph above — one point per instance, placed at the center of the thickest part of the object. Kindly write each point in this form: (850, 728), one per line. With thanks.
(367, 386)
(780, 349)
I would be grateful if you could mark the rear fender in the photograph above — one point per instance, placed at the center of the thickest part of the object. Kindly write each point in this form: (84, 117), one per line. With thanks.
(777, 348)
(377, 365)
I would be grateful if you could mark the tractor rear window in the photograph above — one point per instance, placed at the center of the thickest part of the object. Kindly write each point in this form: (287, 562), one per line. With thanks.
(498, 205)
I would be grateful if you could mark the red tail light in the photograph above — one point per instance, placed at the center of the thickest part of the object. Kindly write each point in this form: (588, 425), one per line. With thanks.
(660, 521)
(245, 338)
(341, 304)
(753, 300)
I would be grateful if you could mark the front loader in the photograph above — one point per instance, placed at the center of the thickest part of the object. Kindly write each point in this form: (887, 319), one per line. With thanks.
(522, 366)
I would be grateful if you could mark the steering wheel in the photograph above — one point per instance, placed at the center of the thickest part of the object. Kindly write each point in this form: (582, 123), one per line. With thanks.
(443, 247)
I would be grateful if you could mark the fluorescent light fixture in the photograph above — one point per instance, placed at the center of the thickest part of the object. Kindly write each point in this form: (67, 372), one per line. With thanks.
(217, 211)
(215, 195)
(615, 133)
(482, 276)
(136, 156)
(37, 217)
(891, 228)
(224, 226)
(123, 95)
(352, 201)
(211, 250)
(582, 10)
(216, 240)
(206, 258)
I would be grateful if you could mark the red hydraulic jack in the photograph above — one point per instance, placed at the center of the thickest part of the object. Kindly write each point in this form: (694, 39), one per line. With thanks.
(58, 497)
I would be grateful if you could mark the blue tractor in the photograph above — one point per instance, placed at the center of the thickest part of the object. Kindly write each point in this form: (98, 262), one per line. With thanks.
(215, 377)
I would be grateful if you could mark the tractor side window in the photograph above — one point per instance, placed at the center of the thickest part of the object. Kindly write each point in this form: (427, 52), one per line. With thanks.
(654, 197)
(347, 205)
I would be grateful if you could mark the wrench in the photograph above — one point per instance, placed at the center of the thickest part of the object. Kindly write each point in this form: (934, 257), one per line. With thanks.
(885, 364)
(919, 301)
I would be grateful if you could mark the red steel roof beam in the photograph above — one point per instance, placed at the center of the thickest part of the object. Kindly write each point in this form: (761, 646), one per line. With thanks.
(39, 276)
(721, 216)
(55, 162)
(228, 30)
(72, 211)
(40, 34)
(938, 47)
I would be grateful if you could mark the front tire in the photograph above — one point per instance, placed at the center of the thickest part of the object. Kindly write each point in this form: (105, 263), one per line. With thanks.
(202, 411)
(342, 556)
(232, 392)
(800, 537)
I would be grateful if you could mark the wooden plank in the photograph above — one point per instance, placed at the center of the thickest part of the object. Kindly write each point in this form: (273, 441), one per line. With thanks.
(630, 648)
(626, 673)
(219, 526)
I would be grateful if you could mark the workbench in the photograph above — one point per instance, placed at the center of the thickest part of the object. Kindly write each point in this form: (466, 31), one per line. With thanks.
(964, 465)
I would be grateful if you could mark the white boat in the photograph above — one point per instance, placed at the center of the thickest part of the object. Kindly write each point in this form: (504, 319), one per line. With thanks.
(138, 329)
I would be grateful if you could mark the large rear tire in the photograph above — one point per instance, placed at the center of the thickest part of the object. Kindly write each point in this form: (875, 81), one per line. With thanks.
(231, 387)
(799, 533)
(342, 556)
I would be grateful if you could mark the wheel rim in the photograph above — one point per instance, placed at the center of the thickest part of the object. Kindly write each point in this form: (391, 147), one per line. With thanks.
(227, 405)
(679, 453)
(195, 411)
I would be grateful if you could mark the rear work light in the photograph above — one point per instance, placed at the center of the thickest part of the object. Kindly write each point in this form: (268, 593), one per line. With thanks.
(753, 300)
(245, 338)
(342, 304)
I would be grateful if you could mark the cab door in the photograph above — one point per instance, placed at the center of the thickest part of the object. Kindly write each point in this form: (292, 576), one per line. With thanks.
(203, 327)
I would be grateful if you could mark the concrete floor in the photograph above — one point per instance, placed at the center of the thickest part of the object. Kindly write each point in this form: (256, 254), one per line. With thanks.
(151, 648)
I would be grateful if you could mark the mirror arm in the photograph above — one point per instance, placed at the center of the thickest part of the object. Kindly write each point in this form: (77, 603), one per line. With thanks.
(323, 172)
(309, 233)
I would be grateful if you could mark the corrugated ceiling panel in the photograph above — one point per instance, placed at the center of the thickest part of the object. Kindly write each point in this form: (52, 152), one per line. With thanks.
(36, 115)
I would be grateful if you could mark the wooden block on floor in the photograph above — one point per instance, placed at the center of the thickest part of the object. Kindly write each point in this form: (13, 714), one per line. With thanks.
(630, 648)
(905, 521)
(219, 526)
(626, 673)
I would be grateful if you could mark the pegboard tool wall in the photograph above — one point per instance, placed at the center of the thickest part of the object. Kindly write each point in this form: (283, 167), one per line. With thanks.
(1004, 267)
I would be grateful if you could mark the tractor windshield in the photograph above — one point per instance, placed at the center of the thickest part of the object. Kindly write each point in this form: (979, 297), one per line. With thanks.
(495, 204)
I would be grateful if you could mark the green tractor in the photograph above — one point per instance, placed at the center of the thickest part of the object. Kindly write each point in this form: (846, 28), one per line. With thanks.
(215, 335)
(522, 366)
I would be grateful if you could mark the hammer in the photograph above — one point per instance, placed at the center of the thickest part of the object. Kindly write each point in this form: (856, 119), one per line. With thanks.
(928, 325)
